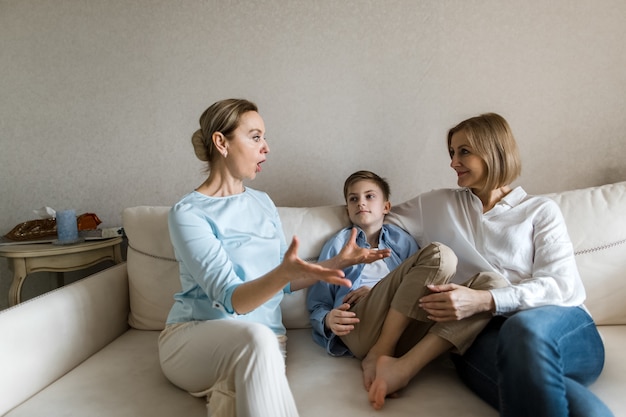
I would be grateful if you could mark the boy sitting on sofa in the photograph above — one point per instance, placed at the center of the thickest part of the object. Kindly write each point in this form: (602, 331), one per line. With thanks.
(367, 202)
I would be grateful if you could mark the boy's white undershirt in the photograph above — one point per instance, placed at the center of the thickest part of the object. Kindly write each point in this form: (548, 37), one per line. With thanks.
(372, 273)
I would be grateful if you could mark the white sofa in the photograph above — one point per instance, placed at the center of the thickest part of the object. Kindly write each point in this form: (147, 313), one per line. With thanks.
(90, 348)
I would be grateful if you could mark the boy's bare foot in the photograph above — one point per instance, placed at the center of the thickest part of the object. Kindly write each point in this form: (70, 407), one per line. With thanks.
(368, 364)
(391, 376)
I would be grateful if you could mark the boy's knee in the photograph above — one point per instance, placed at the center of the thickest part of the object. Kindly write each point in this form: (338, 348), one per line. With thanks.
(488, 281)
(447, 255)
(439, 253)
(447, 258)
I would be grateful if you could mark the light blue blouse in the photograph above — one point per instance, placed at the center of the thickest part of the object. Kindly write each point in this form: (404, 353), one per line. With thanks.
(220, 243)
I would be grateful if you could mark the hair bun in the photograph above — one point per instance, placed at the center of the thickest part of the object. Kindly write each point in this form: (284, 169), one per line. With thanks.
(197, 140)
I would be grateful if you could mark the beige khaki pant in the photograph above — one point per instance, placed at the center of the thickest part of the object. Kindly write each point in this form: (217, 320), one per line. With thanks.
(237, 365)
(402, 289)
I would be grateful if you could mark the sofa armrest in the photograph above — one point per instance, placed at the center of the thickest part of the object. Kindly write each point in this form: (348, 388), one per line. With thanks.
(46, 337)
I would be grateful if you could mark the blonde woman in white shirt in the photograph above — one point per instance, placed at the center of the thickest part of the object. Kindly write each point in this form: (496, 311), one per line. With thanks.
(541, 349)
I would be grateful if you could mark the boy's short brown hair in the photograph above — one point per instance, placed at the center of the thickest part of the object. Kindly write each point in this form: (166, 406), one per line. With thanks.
(367, 176)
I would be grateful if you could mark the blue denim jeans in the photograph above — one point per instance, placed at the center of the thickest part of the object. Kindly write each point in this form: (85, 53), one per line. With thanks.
(537, 363)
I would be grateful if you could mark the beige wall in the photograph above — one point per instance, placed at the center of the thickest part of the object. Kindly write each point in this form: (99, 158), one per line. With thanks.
(99, 98)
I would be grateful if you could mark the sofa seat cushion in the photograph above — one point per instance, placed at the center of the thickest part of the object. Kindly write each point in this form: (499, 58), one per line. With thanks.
(610, 386)
(318, 380)
(124, 376)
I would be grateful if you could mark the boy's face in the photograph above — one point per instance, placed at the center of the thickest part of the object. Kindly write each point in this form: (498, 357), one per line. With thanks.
(366, 204)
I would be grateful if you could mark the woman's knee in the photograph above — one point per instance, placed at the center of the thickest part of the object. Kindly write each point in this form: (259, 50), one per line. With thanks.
(522, 337)
(515, 325)
(258, 337)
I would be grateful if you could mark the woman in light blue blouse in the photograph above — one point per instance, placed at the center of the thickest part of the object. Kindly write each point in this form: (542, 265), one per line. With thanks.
(224, 333)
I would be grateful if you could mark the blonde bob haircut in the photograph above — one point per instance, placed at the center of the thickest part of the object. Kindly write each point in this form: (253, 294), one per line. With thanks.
(491, 138)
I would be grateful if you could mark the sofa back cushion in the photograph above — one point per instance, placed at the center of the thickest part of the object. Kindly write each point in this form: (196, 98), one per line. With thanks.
(313, 226)
(596, 220)
(153, 270)
(596, 223)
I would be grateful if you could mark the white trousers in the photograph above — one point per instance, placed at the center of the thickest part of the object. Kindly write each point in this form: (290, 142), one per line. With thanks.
(237, 365)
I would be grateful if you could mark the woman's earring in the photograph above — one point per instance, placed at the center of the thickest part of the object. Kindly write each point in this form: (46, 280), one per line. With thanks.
(225, 154)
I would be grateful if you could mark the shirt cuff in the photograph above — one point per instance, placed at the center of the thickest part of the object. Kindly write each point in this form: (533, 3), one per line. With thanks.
(504, 299)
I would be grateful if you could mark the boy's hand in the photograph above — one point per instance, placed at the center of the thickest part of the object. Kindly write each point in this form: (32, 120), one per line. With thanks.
(341, 321)
(355, 296)
(353, 254)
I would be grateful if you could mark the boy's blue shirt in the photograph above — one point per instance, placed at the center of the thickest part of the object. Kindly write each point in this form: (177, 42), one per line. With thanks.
(323, 297)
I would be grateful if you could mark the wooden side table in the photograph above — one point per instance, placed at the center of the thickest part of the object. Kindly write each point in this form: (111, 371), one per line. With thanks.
(27, 258)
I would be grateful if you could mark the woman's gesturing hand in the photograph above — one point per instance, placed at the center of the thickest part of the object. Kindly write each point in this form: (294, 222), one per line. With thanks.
(292, 269)
(341, 321)
(303, 274)
(455, 302)
(353, 254)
